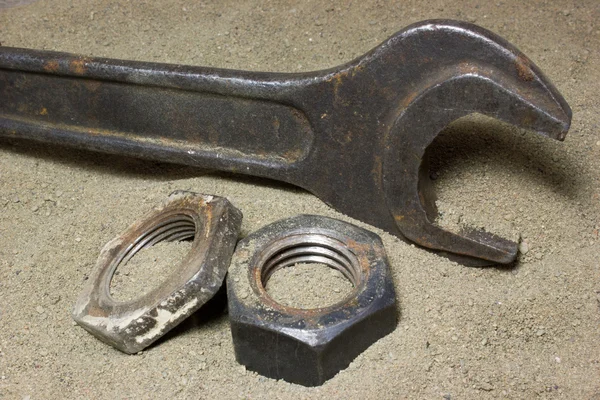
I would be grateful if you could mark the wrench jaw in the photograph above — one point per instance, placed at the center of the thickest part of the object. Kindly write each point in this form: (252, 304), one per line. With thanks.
(506, 86)
(409, 194)
(487, 243)
(529, 101)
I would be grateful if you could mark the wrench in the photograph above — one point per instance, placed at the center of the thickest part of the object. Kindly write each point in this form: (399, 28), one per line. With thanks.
(354, 135)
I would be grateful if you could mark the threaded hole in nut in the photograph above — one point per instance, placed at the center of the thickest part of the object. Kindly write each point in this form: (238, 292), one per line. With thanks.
(152, 258)
(308, 285)
(309, 271)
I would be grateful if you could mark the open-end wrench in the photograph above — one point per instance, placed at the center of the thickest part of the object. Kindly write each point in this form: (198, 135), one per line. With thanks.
(354, 135)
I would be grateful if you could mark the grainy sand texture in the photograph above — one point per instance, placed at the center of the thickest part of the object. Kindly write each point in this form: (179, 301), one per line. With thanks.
(527, 331)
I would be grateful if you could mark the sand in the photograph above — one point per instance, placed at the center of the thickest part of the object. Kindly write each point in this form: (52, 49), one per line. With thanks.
(520, 332)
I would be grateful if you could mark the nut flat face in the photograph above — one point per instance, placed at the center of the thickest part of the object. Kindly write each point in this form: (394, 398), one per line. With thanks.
(130, 326)
(308, 346)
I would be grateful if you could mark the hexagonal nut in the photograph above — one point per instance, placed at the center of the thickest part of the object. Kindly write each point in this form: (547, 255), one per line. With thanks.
(130, 326)
(308, 346)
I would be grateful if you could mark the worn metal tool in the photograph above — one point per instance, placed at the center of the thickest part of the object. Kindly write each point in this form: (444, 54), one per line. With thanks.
(354, 135)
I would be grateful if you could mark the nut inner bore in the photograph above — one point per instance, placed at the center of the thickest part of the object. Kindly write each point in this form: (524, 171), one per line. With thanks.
(309, 248)
(170, 228)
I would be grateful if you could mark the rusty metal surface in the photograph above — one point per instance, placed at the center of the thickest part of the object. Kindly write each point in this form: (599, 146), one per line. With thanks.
(131, 326)
(355, 135)
(308, 346)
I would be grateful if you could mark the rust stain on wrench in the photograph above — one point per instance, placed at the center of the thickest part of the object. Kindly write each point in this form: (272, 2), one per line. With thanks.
(354, 135)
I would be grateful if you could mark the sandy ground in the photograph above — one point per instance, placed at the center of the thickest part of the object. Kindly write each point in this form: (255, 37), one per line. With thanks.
(530, 331)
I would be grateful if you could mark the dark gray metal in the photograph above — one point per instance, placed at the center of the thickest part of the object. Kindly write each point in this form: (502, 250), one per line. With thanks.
(354, 135)
(131, 326)
(310, 346)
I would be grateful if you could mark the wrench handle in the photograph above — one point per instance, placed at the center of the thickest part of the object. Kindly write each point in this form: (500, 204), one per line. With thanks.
(210, 118)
